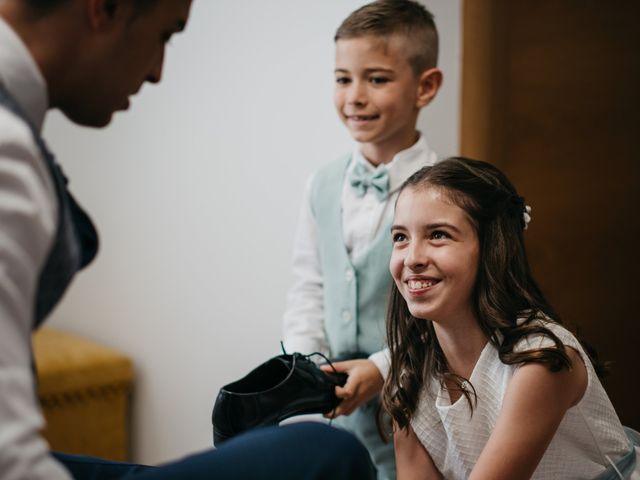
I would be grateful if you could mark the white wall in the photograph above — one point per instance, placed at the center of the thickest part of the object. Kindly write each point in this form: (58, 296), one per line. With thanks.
(196, 193)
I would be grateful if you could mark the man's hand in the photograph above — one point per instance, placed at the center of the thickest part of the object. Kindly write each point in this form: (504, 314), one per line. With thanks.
(364, 383)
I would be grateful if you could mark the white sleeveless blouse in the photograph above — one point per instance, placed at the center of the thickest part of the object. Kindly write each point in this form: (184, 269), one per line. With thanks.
(589, 432)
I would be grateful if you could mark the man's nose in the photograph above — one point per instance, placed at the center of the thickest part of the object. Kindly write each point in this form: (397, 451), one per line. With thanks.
(155, 74)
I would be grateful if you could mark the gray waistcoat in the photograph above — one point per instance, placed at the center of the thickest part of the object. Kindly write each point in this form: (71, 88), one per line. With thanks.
(76, 240)
(356, 291)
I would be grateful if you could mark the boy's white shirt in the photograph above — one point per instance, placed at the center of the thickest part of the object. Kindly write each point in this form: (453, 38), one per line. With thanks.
(362, 219)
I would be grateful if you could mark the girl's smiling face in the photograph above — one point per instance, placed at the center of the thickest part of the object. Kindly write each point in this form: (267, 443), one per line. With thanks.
(434, 261)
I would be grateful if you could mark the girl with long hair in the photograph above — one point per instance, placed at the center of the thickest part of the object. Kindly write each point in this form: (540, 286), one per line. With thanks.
(485, 382)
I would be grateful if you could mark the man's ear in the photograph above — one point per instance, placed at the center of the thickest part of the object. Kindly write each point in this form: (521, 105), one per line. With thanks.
(428, 85)
(104, 14)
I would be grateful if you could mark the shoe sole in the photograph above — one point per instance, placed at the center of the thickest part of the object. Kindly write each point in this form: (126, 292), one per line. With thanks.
(220, 437)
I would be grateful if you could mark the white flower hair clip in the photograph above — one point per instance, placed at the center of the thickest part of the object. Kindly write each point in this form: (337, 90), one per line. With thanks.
(526, 216)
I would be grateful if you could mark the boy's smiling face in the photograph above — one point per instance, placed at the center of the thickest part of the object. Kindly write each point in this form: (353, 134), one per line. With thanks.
(377, 94)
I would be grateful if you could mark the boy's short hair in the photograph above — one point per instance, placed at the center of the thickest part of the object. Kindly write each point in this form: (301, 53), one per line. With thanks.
(405, 18)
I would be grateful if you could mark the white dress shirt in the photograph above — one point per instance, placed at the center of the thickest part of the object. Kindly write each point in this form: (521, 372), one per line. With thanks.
(28, 222)
(362, 219)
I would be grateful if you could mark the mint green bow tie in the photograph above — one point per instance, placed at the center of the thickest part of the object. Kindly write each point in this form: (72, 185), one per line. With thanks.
(362, 179)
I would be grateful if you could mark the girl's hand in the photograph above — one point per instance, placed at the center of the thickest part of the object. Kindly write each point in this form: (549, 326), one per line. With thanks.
(363, 383)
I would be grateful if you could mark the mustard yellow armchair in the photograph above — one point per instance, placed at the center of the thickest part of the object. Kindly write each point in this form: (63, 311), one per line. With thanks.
(84, 389)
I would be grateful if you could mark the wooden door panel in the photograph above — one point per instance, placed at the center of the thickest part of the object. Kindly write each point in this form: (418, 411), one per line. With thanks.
(559, 105)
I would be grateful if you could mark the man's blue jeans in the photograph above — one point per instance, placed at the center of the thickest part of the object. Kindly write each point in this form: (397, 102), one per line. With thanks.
(300, 451)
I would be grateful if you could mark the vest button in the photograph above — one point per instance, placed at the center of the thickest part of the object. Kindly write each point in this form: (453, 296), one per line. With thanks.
(348, 275)
(346, 316)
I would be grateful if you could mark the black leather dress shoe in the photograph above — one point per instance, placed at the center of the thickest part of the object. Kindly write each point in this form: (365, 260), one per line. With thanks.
(280, 388)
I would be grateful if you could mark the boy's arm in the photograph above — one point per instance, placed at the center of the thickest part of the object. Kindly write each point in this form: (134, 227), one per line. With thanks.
(535, 403)
(303, 323)
(382, 361)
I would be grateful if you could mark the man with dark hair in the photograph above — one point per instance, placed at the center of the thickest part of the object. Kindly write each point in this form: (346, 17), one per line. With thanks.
(86, 58)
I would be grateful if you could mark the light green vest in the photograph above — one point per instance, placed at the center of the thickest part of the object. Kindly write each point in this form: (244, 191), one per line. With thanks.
(356, 291)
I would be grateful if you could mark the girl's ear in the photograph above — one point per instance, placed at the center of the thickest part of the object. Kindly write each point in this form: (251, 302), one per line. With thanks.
(428, 85)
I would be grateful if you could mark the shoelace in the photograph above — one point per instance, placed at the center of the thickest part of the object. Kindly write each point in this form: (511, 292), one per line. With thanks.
(308, 358)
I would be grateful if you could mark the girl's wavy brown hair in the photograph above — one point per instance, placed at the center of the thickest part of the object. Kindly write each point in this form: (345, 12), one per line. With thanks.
(504, 291)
